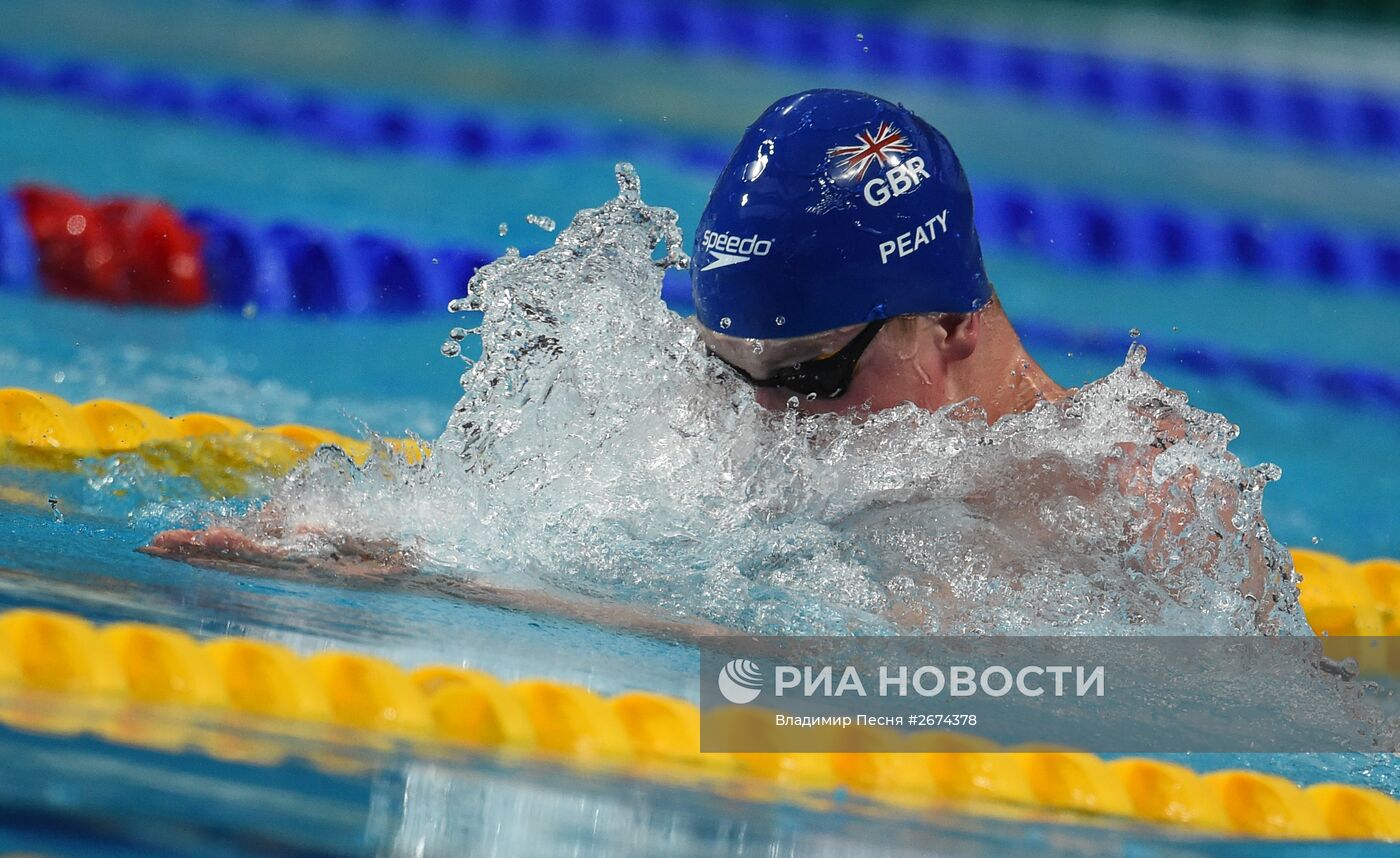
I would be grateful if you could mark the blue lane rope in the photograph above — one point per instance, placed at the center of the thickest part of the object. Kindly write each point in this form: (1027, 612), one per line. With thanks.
(1076, 230)
(1353, 120)
(293, 268)
(1079, 231)
(286, 268)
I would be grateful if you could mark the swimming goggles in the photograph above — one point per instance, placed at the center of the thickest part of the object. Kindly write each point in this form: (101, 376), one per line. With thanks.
(825, 377)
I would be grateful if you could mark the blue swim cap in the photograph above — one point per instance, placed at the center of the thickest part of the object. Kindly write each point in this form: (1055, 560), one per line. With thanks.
(837, 208)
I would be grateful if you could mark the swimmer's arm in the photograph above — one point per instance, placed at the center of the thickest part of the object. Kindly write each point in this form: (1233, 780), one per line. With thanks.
(370, 564)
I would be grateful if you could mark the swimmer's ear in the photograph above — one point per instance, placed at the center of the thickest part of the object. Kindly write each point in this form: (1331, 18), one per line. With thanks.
(958, 334)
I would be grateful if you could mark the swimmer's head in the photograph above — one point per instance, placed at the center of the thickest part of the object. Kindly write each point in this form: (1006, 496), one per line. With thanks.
(837, 260)
(837, 209)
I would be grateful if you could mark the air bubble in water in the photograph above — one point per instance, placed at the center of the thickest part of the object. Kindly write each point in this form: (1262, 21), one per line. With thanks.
(757, 346)
(450, 348)
(725, 322)
(458, 333)
(811, 397)
(780, 321)
(503, 229)
(545, 223)
(1134, 333)
(860, 37)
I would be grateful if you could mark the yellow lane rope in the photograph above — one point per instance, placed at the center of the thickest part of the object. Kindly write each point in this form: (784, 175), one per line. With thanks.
(638, 734)
(44, 431)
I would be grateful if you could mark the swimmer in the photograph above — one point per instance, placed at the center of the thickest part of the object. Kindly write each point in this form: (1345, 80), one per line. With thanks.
(837, 267)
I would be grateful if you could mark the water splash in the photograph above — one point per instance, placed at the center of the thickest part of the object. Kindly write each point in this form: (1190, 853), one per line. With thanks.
(596, 449)
(545, 223)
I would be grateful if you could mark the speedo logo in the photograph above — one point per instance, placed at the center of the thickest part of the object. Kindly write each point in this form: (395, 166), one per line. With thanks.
(732, 249)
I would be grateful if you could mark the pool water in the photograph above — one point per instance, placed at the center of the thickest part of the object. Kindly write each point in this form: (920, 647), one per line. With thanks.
(1341, 462)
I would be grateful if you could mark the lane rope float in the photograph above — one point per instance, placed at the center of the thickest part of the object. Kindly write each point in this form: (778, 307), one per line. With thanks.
(1075, 229)
(1274, 108)
(44, 431)
(641, 734)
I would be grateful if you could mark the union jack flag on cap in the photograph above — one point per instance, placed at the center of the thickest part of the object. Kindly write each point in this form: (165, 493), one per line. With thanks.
(882, 146)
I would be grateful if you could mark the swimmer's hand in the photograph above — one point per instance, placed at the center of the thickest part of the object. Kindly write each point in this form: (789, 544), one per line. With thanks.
(216, 541)
(232, 550)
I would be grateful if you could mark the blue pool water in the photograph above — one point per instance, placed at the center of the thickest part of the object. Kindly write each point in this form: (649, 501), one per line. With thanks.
(1325, 452)
(1341, 464)
(87, 564)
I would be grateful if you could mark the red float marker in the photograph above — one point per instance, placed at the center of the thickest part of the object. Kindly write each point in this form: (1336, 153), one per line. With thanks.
(117, 251)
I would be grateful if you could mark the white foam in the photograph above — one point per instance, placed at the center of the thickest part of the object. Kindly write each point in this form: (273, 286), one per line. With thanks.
(597, 449)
